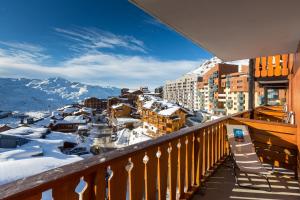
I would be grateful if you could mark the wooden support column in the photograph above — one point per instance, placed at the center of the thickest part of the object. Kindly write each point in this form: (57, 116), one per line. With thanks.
(251, 87)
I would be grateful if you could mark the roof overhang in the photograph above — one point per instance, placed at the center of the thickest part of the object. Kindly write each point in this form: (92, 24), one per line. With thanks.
(232, 29)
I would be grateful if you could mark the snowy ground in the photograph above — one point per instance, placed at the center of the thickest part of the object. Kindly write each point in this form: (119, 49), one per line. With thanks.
(14, 161)
(16, 120)
(128, 137)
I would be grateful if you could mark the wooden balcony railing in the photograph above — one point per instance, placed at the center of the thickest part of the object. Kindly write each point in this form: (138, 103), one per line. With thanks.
(180, 161)
(172, 166)
(274, 66)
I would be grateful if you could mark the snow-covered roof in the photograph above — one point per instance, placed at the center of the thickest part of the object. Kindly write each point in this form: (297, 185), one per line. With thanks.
(10, 125)
(169, 111)
(161, 107)
(83, 127)
(124, 120)
(70, 110)
(27, 132)
(21, 158)
(44, 122)
(119, 105)
(75, 119)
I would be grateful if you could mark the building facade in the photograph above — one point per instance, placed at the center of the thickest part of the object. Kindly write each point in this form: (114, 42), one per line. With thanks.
(183, 91)
(211, 94)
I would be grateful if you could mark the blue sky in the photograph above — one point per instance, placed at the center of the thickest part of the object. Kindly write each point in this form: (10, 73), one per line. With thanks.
(100, 42)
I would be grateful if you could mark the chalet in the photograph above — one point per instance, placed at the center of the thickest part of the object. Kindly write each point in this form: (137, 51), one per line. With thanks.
(95, 103)
(121, 110)
(88, 112)
(68, 110)
(113, 101)
(132, 95)
(68, 124)
(161, 117)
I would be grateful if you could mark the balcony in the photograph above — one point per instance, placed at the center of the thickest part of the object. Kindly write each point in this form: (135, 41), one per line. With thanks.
(177, 165)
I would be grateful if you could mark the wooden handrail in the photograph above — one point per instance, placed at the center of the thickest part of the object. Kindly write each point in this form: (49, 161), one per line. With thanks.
(189, 153)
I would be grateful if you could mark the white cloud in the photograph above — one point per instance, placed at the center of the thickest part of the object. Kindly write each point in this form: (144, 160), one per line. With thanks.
(95, 39)
(91, 64)
(99, 68)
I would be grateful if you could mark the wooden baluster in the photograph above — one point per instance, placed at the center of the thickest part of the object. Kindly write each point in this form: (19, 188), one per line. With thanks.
(173, 164)
(257, 67)
(150, 174)
(211, 145)
(88, 191)
(199, 157)
(117, 183)
(193, 157)
(66, 191)
(219, 140)
(181, 164)
(263, 72)
(270, 66)
(100, 184)
(285, 70)
(162, 168)
(216, 146)
(278, 69)
(207, 149)
(136, 176)
(34, 197)
(188, 161)
(222, 140)
(196, 159)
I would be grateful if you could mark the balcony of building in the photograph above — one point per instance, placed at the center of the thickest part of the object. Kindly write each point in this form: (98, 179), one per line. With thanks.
(191, 163)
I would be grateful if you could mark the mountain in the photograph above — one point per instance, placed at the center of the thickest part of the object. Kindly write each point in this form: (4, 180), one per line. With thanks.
(37, 95)
(208, 64)
(205, 66)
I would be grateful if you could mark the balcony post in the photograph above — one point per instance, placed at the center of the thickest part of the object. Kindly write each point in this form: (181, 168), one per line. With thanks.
(251, 87)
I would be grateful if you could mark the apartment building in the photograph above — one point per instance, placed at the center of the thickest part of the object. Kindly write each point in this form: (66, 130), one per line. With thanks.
(210, 89)
(183, 91)
(235, 94)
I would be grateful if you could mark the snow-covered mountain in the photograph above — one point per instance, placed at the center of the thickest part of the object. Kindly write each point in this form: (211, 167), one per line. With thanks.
(208, 64)
(205, 66)
(36, 95)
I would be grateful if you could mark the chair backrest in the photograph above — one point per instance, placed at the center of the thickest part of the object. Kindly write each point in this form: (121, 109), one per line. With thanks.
(239, 140)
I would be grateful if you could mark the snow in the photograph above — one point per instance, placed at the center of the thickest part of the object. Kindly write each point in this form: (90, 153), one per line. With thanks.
(208, 64)
(83, 127)
(138, 135)
(119, 105)
(44, 122)
(41, 95)
(13, 162)
(26, 132)
(124, 120)
(169, 111)
(128, 137)
(166, 108)
(75, 119)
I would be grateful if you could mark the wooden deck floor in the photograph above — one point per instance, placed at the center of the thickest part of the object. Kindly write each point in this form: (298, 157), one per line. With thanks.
(222, 186)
